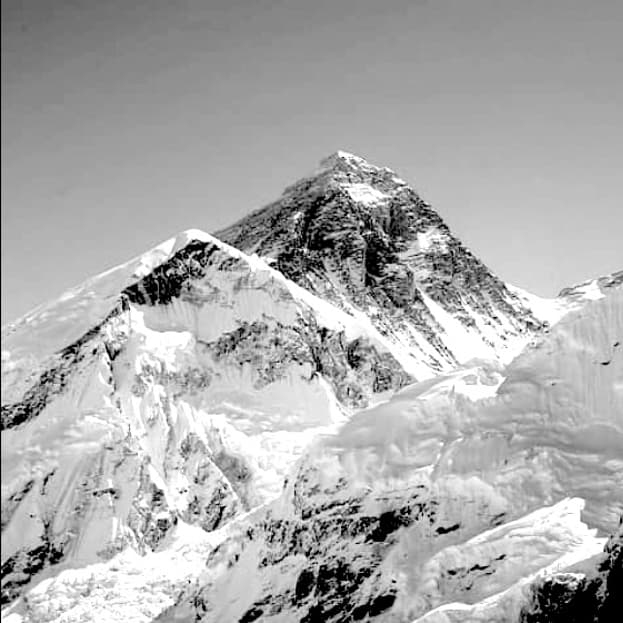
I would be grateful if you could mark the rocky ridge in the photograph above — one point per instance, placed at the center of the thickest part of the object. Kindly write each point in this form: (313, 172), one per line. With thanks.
(430, 507)
(323, 412)
(195, 360)
(359, 236)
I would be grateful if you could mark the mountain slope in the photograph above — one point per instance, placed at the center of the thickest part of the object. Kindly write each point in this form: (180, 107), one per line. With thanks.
(320, 422)
(434, 507)
(359, 236)
(442, 505)
(201, 378)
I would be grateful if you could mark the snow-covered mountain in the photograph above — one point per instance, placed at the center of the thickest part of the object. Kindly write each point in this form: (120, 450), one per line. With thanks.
(360, 237)
(436, 507)
(317, 415)
(200, 378)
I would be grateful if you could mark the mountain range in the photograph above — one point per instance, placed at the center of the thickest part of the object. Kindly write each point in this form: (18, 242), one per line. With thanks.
(331, 410)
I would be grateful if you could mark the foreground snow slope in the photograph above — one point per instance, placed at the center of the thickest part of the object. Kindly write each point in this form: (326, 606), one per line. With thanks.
(201, 377)
(442, 505)
(434, 503)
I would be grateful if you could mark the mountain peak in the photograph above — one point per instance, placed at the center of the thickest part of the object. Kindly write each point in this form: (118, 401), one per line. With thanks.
(359, 236)
(342, 157)
(350, 166)
(207, 388)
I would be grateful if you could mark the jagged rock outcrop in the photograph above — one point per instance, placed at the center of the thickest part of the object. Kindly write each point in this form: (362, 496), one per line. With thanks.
(594, 597)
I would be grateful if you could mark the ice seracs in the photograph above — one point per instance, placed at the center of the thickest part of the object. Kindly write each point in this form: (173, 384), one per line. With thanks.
(437, 507)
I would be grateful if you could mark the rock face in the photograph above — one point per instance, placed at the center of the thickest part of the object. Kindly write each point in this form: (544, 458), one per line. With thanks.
(313, 417)
(576, 597)
(359, 236)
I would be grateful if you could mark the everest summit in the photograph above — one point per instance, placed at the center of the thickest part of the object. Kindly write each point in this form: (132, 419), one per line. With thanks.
(329, 411)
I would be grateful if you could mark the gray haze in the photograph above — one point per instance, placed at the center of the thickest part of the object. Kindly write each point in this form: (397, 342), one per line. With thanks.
(127, 121)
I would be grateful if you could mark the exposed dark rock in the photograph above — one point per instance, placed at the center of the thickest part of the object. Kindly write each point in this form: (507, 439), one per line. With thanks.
(381, 603)
(167, 281)
(304, 584)
(14, 500)
(370, 255)
(55, 378)
(573, 598)
(251, 615)
(17, 570)
(446, 529)
(563, 598)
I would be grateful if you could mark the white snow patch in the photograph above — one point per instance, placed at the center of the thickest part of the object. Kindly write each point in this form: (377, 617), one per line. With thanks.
(365, 194)
(432, 239)
(548, 310)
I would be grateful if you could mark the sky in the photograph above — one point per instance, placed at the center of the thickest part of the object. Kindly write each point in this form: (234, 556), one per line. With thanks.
(127, 121)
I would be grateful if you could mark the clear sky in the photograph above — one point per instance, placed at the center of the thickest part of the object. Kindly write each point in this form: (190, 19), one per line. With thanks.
(126, 121)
